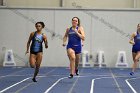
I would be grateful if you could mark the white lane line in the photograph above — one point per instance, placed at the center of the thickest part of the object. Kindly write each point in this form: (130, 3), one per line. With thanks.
(27, 85)
(50, 88)
(131, 87)
(70, 90)
(134, 91)
(93, 81)
(14, 85)
(92, 86)
(11, 74)
(62, 75)
(116, 82)
(55, 84)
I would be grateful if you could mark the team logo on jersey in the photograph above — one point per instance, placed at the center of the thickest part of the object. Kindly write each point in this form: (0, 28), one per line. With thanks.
(38, 40)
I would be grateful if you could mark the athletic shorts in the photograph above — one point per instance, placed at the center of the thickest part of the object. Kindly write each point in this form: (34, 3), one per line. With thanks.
(135, 49)
(77, 48)
(35, 53)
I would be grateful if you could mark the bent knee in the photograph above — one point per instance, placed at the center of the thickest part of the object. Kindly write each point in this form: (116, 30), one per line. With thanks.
(136, 60)
(72, 58)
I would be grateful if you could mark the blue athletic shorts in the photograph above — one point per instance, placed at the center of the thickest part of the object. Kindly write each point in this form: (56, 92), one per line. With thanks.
(77, 48)
(135, 49)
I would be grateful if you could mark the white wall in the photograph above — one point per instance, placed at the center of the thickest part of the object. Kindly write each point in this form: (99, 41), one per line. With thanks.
(69, 3)
(138, 4)
(101, 3)
(102, 28)
(32, 3)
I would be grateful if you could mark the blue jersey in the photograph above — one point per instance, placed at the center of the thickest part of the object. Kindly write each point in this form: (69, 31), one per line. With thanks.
(73, 38)
(136, 46)
(74, 41)
(137, 39)
(37, 41)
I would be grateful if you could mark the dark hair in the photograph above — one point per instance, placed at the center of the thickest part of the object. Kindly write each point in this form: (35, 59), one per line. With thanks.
(78, 20)
(138, 25)
(42, 23)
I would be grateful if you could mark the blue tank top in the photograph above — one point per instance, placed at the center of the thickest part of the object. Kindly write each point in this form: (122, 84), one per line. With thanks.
(73, 38)
(37, 41)
(137, 39)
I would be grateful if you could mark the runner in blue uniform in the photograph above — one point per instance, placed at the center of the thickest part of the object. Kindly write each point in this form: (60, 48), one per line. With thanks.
(36, 48)
(135, 41)
(76, 36)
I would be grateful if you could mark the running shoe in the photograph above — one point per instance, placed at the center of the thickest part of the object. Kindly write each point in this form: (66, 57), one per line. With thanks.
(77, 72)
(34, 80)
(70, 76)
(131, 73)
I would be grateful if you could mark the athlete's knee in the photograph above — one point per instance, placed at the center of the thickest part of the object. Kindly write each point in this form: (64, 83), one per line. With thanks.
(136, 60)
(72, 58)
(32, 64)
(77, 59)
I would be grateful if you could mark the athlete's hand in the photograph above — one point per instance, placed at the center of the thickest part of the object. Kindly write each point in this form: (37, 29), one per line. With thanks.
(132, 42)
(76, 31)
(46, 46)
(26, 52)
(64, 44)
